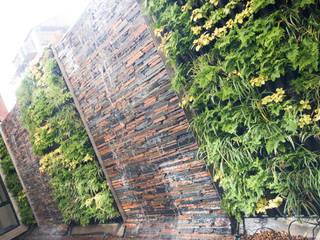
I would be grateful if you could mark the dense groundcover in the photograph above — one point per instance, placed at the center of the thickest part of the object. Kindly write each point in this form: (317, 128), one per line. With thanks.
(59, 137)
(14, 186)
(249, 72)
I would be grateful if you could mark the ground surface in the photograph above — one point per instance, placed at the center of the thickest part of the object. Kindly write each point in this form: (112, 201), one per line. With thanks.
(269, 235)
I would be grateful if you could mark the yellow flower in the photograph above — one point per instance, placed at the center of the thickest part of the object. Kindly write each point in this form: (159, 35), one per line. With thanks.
(304, 120)
(204, 40)
(72, 165)
(305, 104)
(196, 30)
(288, 108)
(234, 72)
(88, 202)
(208, 24)
(186, 100)
(42, 169)
(262, 206)
(158, 31)
(258, 81)
(166, 37)
(265, 204)
(99, 201)
(186, 7)
(218, 32)
(276, 97)
(196, 15)
(163, 47)
(21, 195)
(218, 176)
(214, 2)
(274, 203)
(266, 100)
(317, 115)
(87, 158)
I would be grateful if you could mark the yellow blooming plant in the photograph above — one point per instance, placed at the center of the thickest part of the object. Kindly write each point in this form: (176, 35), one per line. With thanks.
(89, 201)
(60, 139)
(234, 72)
(204, 40)
(186, 100)
(87, 158)
(214, 2)
(22, 195)
(275, 72)
(196, 30)
(316, 117)
(196, 15)
(163, 46)
(186, 7)
(288, 108)
(259, 81)
(218, 176)
(209, 24)
(219, 31)
(51, 160)
(158, 31)
(276, 97)
(263, 204)
(305, 104)
(305, 120)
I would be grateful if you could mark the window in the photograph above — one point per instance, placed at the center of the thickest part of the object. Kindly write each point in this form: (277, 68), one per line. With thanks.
(8, 218)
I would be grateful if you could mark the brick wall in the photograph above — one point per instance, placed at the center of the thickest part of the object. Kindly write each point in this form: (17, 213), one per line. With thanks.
(35, 184)
(142, 137)
(3, 109)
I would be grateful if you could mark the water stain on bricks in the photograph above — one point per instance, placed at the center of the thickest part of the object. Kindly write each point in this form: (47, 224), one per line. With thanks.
(27, 164)
(152, 159)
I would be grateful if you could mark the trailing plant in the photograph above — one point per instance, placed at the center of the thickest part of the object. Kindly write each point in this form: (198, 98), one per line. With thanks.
(14, 186)
(249, 71)
(59, 137)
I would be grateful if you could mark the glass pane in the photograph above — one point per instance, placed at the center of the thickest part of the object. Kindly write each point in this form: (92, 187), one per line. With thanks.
(7, 218)
(3, 197)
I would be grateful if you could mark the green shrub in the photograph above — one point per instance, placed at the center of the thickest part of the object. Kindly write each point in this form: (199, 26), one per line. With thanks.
(249, 71)
(59, 137)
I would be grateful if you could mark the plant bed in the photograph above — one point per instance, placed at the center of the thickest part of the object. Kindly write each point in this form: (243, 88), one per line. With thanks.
(59, 137)
(271, 235)
(248, 71)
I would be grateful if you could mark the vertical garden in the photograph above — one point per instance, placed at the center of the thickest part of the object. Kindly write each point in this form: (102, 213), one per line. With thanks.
(249, 72)
(59, 137)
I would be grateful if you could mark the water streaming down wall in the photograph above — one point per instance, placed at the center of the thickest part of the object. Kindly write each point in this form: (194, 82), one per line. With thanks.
(35, 184)
(141, 135)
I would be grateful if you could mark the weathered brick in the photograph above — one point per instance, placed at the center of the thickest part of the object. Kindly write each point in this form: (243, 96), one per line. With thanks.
(36, 184)
(140, 31)
(142, 134)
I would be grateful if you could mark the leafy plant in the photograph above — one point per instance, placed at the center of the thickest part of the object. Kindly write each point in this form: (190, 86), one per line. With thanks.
(249, 72)
(59, 137)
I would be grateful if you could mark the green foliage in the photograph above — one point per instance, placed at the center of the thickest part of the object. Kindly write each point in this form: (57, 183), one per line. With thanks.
(59, 137)
(249, 71)
(14, 186)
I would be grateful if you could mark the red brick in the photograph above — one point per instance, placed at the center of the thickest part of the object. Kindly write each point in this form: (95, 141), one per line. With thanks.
(159, 119)
(140, 31)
